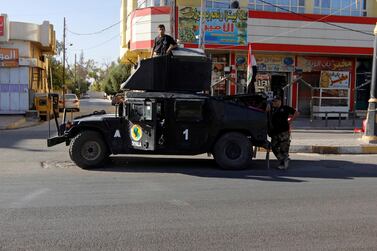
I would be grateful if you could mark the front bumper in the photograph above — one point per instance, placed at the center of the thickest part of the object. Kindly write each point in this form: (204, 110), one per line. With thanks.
(56, 140)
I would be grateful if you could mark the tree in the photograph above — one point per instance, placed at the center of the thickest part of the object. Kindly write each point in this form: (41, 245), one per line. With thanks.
(57, 74)
(117, 74)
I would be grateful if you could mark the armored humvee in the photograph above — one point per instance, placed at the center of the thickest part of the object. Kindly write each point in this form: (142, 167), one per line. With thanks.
(166, 111)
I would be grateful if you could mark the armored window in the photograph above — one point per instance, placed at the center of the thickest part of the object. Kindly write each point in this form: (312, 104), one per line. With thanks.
(189, 110)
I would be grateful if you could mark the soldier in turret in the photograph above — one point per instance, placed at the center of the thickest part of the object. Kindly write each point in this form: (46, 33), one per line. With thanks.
(163, 43)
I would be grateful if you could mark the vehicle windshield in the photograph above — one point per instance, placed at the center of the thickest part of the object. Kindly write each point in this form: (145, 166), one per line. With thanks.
(70, 96)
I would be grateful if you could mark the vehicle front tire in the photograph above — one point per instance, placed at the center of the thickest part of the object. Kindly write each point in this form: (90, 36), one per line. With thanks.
(233, 151)
(88, 150)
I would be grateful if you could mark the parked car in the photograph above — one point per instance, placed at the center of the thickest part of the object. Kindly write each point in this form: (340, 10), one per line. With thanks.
(72, 103)
(85, 96)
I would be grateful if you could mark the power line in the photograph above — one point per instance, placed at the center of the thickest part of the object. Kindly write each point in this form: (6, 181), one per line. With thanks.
(96, 32)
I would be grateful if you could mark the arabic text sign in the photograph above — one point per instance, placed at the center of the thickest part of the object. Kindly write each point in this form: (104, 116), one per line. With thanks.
(223, 26)
(313, 64)
(2, 25)
(8, 57)
(335, 79)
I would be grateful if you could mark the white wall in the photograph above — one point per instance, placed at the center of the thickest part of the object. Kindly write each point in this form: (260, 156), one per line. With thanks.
(14, 95)
(144, 28)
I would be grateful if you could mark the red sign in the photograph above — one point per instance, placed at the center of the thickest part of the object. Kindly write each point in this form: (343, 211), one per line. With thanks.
(2, 25)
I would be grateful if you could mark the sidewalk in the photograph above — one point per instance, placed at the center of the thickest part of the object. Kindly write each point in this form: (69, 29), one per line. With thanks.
(330, 142)
(333, 136)
(8, 122)
(330, 124)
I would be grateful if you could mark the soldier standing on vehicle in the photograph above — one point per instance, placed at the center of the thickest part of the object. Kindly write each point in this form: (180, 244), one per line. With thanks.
(279, 129)
(163, 44)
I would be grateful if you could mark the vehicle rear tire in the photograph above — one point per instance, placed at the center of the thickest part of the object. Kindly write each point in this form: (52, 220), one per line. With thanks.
(88, 150)
(233, 151)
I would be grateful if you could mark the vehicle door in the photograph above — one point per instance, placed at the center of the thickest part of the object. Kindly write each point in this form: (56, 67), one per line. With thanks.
(190, 125)
(141, 128)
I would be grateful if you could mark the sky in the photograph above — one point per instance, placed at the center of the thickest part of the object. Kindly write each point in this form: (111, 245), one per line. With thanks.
(82, 16)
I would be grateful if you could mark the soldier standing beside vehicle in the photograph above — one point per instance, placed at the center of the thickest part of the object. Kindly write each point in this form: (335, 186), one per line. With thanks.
(163, 44)
(279, 129)
(118, 100)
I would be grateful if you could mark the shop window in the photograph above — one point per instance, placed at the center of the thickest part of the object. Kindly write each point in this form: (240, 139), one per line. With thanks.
(340, 7)
(151, 3)
(273, 5)
(218, 3)
(219, 63)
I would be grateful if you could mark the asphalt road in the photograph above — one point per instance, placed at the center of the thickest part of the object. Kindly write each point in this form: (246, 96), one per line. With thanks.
(323, 202)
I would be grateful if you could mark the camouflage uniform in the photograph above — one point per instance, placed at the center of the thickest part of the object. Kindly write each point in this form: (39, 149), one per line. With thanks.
(280, 145)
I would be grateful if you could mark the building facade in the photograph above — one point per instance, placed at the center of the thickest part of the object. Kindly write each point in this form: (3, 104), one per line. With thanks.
(317, 52)
(23, 63)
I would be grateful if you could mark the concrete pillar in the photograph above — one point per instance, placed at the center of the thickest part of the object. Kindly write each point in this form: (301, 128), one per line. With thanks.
(371, 128)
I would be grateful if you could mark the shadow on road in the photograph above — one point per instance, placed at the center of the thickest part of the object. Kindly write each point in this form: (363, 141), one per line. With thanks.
(299, 169)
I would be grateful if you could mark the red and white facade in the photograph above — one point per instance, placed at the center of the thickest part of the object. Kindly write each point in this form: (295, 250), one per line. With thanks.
(286, 47)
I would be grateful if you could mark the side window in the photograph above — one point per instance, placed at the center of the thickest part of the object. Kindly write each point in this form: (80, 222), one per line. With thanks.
(140, 111)
(189, 110)
(136, 111)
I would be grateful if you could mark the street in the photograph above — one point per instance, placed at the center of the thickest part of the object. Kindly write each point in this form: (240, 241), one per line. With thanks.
(322, 202)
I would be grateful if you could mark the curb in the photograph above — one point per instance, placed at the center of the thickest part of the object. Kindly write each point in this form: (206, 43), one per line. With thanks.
(21, 123)
(361, 149)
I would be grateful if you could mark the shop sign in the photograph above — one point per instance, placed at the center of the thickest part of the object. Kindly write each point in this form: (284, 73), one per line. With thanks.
(275, 63)
(263, 82)
(8, 57)
(316, 64)
(223, 26)
(2, 25)
(334, 79)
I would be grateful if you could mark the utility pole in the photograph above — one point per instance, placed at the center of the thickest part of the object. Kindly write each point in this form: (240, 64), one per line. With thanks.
(64, 29)
(202, 26)
(371, 128)
(173, 19)
(78, 83)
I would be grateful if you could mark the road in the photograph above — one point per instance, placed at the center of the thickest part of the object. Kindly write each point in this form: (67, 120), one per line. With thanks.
(323, 202)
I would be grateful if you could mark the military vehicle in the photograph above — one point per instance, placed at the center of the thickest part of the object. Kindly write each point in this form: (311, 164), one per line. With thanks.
(166, 111)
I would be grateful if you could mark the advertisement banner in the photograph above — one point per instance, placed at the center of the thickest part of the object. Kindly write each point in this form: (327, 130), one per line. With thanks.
(2, 25)
(334, 79)
(8, 57)
(223, 26)
(315, 64)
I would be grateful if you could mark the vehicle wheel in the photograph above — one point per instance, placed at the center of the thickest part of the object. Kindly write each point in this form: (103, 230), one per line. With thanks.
(233, 151)
(88, 150)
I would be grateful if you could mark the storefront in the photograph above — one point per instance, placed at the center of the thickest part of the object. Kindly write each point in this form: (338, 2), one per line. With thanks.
(330, 63)
(328, 85)
(274, 74)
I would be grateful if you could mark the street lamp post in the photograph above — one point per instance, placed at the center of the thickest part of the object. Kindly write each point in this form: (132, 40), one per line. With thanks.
(371, 125)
